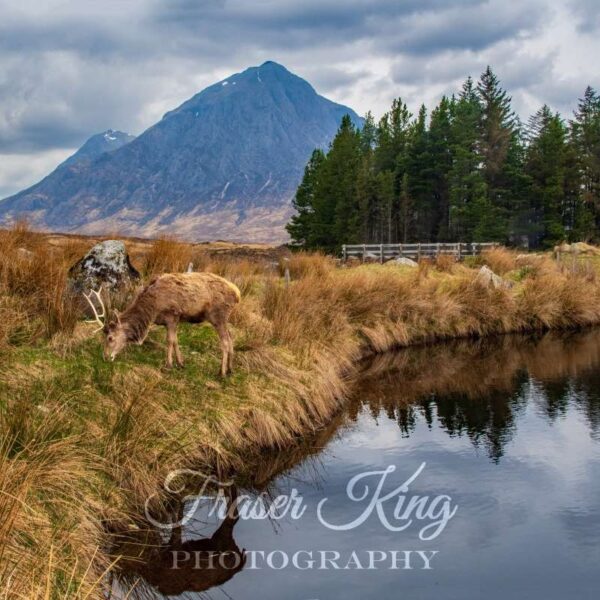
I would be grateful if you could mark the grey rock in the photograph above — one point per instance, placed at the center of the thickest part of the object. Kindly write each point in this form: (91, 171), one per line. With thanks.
(403, 260)
(106, 265)
(25, 254)
(370, 256)
(487, 277)
(528, 259)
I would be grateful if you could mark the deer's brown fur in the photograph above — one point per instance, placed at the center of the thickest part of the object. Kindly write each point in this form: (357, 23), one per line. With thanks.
(169, 299)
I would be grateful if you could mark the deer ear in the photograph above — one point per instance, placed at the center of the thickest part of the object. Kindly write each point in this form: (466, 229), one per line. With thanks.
(117, 315)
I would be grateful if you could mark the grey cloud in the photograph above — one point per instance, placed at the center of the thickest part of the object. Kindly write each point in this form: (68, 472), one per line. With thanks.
(561, 95)
(480, 27)
(418, 27)
(331, 79)
(452, 67)
(69, 69)
(587, 14)
(56, 100)
(309, 14)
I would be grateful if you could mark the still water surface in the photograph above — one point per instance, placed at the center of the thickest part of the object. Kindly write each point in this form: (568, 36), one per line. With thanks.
(509, 431)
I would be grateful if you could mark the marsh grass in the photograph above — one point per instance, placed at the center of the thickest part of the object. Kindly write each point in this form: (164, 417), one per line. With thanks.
(167, 255)
(84, 443)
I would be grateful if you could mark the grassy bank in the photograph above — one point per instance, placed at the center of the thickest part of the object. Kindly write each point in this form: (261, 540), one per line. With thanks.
(84, 443)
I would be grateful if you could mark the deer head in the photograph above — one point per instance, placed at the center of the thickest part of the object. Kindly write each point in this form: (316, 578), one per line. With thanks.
(115, 338)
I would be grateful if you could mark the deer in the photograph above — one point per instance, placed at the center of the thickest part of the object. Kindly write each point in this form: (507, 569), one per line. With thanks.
(167, 300)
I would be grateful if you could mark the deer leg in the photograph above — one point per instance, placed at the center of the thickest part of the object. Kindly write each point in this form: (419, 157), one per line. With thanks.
(229, 339)
(230, 353)
(178, 355)
(171, 342)
(223, 337)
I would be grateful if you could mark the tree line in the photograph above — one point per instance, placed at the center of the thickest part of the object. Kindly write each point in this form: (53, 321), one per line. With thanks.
(471, 171)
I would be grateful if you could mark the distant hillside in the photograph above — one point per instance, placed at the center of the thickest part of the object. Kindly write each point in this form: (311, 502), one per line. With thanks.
(98, 144)
(225, 164)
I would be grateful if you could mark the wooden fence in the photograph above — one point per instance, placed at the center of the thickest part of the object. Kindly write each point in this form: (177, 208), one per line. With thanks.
(383, 252)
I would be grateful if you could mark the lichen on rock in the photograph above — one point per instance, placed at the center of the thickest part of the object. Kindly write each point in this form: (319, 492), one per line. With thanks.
(106, 265)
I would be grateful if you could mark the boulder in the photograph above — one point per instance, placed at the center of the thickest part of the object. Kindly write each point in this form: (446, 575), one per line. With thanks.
(25, 254)
(407, 262)
(577, 248)
(529, 259)
(487, 277)
(106, 264)
(370, 257)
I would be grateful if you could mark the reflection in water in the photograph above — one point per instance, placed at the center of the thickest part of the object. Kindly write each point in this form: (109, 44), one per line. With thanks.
(526, 401)
(178, 565)
(477, 388)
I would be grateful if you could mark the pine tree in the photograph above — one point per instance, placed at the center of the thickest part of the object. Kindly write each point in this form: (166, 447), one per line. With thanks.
(406, 209)
(546, 168)
(368, 134)
(440, 159)
(392, 133)
(366, 194)
(498, 147)
(301, 224)
(386, 197)
(467, 188)
(585, 136)
(414, 169)
(335, 204)
(497, 122)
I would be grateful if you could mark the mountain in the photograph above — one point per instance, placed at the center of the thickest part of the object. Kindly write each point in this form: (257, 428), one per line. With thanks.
(224, 164)
(98, 144)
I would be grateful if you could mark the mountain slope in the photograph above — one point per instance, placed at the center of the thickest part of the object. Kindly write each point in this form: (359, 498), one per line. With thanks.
(98, 144)
(224, 164)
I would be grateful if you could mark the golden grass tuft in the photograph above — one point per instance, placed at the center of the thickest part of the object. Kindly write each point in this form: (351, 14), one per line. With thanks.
(167, 255)
(445, 263)
(34, 299)
(307, 264)
(500, 260)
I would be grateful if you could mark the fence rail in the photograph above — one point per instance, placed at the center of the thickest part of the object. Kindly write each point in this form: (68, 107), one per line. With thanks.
(383, 252)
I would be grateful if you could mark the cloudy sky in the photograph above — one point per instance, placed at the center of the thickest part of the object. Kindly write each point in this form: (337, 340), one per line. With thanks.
(69, 68)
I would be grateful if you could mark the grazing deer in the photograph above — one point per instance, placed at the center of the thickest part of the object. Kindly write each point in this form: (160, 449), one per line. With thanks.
(167, 300)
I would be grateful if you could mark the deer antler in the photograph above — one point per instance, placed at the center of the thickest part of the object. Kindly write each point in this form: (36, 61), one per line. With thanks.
(97, 318)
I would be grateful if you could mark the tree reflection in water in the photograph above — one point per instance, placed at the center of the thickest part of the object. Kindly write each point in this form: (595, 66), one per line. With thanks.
(477, 388)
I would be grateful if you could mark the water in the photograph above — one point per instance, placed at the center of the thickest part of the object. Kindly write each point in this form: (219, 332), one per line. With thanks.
(509, 431)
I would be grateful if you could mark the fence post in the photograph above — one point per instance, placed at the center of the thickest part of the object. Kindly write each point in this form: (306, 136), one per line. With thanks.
(381, 253)
(344, 255)
(364, 252)
(401, 252)
(459, 251)
(419, 252)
